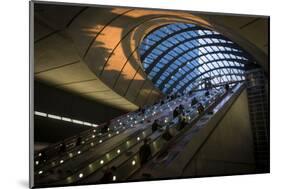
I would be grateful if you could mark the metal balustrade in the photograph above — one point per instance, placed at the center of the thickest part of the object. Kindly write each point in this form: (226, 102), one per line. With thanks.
(131, 143)
(70, 155)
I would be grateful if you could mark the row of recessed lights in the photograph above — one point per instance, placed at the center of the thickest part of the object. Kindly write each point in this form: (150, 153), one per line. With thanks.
(118, 151)
(93, 136)
(79, 152)
(102, 161)
(52, 116)
(114, 177)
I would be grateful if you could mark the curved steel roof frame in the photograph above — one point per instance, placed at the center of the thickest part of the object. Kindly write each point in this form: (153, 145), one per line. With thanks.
(224, 77)
(166, 66)
(181, 89)
(175, 55)
(196, 68)
(183, 43)
(186, 81)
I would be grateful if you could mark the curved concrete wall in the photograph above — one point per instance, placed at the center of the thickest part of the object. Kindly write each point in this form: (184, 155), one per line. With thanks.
(93, 51)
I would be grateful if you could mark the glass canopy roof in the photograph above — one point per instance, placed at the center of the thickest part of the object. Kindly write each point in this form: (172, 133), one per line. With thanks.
(180, 57)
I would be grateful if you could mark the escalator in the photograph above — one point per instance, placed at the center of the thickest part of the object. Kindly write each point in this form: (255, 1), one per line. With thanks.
(119, 146)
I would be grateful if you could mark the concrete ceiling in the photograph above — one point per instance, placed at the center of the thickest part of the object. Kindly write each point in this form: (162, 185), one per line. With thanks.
(92, 51)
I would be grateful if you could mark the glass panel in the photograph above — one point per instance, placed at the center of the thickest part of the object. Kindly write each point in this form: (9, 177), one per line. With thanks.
(179, 62)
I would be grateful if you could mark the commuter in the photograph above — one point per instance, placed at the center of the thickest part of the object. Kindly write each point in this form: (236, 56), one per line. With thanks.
(226, 87)
(194, 101)
(208, 84)
(167, 134)
(200, 108)
(181, 108)
(190, 93)
(78, 141)
(155, 125)
(108, 175)
(176, 112)
(62, 147)
(182, 122)
(105, 128)
(207, 93)
(144, 152)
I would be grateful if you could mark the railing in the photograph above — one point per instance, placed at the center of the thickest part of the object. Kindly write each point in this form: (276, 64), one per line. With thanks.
(129, 162)
(40, 172)
(55, 148)
(130, 145)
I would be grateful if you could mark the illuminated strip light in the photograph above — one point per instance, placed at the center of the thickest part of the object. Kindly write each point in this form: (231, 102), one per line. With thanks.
(77, 121)
(54, 116)
(87, 123)
(64, 119)
(40, 114)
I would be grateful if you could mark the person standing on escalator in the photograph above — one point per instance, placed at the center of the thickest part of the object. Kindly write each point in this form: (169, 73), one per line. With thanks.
(105, 128)
(144, 152)
(176, 112)
(155, 125)
(226, 87)
(194, 101)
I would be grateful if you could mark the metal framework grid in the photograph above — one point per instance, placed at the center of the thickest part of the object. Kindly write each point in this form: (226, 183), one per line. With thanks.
(177, 57)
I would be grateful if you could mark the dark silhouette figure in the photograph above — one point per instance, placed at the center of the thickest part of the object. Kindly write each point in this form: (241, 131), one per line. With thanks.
(176, 112)
(200, 108)
(167, 134)
(181, 108)
(144, 152)
(207, 93)
(194, 101)
(78, 141)
(155, 125)
(208, 84)
(183, 122)
(108, 175)
(226, 87)
(62, 148)
(105, 127)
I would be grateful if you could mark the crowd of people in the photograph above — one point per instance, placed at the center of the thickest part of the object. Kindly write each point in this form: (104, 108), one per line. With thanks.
(145, 152)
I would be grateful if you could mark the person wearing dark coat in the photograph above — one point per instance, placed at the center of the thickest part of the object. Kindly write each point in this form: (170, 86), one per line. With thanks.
(226, 87)
(181, 108)
(194, 101)
(183, 122)
(200, 108)
(105, 127)
(78, 141)
(155, 125)
(176, 112)
(62, 148)
(144, 152)
(167, 134)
